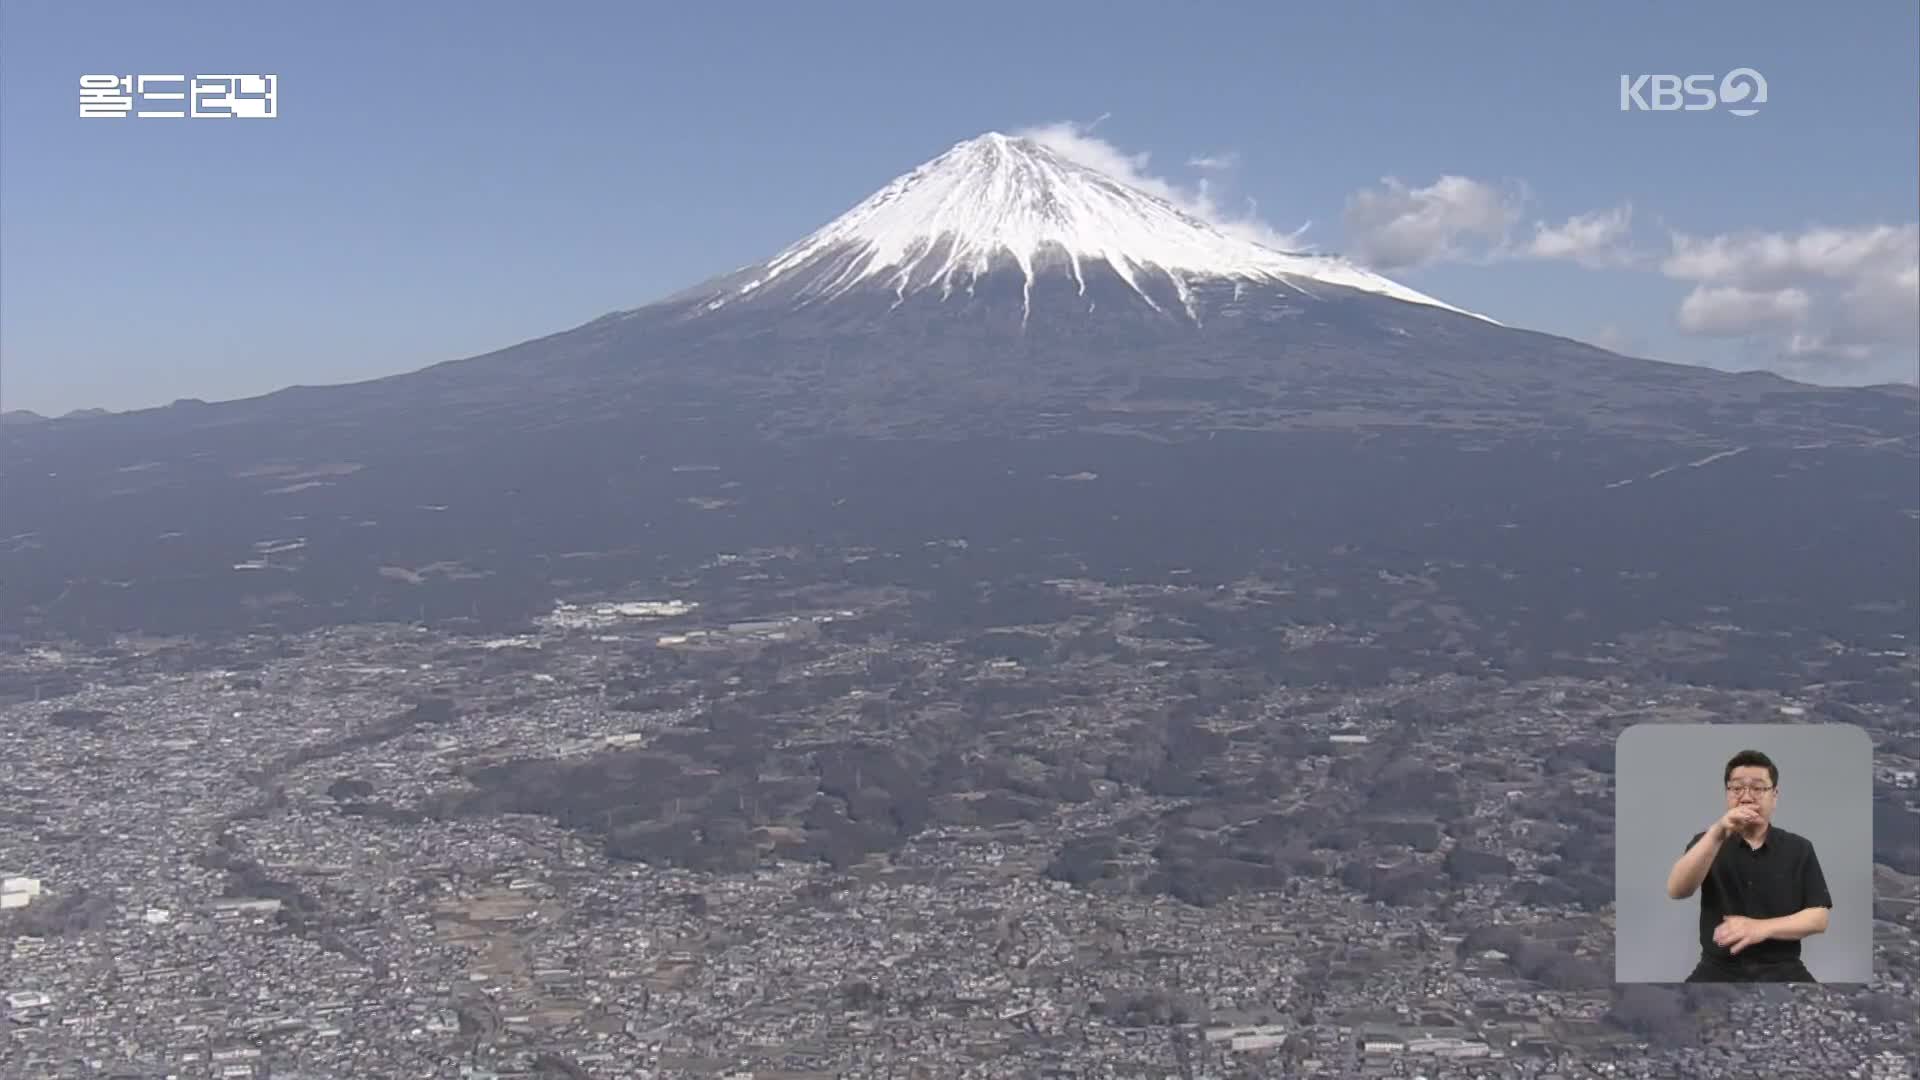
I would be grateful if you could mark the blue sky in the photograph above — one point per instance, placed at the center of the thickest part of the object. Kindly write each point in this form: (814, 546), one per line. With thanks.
(446, 179)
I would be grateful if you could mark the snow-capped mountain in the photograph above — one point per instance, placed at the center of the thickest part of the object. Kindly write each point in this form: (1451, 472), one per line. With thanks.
(1006, 347)
(1000, 204)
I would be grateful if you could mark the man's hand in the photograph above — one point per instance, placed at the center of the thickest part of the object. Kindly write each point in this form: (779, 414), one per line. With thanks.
(1736, 932)
(1736, 820)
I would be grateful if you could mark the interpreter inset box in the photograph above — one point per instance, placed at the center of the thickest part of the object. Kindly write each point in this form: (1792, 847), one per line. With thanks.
(1743, 853)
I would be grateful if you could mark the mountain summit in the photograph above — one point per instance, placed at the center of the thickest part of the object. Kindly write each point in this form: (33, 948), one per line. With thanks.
(997, 203)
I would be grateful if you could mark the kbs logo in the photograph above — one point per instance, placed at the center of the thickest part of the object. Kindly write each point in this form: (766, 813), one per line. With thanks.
(1741, 91)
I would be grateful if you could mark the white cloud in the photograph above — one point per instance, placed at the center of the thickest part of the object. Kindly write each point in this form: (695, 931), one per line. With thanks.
(1844, 301)
(1730, 311)
(1455, 217)
(1594, 240)
(1461, 219)
(1218, 162)
(1763, 260)
(1883, 307)
(1855, 293)
(1076, 142)
(1805, 346)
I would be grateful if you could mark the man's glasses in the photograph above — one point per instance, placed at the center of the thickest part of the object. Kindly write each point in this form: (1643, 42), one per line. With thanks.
(1757, 789)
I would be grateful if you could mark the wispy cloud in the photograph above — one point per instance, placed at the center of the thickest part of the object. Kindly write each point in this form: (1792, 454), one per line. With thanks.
(1595, 240)
(1076, 142)
(1214, 161)
(1455, 218)
(1760, 260)
(1730, 311)
(1394, 225)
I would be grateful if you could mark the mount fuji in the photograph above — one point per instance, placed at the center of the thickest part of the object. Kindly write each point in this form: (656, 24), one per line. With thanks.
(1010, 348)
(995, 204)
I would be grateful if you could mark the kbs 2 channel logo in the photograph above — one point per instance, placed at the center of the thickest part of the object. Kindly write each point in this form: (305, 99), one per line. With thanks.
(1741, 92)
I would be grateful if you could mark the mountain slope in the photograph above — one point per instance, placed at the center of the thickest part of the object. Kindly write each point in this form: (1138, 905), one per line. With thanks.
(1002, 348)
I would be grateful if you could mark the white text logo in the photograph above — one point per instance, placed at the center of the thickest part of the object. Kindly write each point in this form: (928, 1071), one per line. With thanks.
(1741, 92)
(255, 97)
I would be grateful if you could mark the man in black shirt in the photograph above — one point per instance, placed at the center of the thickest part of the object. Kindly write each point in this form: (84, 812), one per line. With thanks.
(1761, 889)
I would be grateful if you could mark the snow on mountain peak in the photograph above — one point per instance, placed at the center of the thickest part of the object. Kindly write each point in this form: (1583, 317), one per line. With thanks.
(997, 197)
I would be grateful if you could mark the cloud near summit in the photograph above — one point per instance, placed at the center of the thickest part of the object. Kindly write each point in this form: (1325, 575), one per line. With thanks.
(1077, 143)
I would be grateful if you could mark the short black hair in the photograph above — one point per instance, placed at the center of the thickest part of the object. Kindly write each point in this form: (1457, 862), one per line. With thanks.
(1752, 757)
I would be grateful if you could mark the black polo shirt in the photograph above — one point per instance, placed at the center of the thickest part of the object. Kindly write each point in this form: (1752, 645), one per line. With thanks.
(1780, 877)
